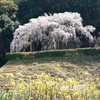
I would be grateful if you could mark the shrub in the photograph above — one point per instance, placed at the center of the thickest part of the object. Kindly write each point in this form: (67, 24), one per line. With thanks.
(54, 53)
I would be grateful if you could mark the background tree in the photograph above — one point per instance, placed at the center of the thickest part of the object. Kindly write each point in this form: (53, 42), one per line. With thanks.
(8, 23)
(89, 9)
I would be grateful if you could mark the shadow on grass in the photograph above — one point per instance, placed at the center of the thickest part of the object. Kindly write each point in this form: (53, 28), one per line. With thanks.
(76, 60)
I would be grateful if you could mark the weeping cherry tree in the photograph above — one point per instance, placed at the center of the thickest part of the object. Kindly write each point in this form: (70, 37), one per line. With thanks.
(50, 32)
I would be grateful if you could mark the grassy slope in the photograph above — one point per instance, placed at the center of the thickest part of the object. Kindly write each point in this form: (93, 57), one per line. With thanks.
(68, 66)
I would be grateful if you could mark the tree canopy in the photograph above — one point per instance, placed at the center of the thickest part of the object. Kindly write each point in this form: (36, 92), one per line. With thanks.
(89, 9)
(8, 23)
(57, 31)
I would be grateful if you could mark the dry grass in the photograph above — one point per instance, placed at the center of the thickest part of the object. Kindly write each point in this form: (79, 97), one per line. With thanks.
(62, 66)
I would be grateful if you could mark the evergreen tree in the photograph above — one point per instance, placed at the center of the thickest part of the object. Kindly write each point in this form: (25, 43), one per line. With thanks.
(8, 23)
(89, 9)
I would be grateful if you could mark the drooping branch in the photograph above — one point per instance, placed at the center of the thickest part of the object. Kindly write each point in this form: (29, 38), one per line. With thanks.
(57, 31)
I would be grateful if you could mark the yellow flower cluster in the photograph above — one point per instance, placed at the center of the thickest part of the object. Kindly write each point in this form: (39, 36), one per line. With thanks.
(5, 1)
(46, 87)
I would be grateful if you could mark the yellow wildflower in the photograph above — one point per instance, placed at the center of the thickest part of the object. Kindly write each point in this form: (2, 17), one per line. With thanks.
(97, 79)
(11, 75)
(68, 97)
(18, 74)
(1, 76)
(30, 98)
(86, 73)
(58, 65)
(56, 69)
